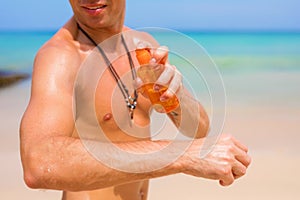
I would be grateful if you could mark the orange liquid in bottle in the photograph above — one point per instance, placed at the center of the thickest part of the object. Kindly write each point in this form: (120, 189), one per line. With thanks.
(154, 96)
(149, 76)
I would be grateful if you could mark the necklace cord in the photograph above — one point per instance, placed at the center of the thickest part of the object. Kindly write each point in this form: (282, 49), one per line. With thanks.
(131, 102)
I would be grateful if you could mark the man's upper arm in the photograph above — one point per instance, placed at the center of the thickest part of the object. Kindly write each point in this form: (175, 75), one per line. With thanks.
(50, 112)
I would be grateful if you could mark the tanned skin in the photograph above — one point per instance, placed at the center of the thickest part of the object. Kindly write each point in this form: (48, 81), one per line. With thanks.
(54, 157)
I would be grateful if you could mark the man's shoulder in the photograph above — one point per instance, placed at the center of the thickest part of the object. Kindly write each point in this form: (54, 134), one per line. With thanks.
(58, 58)
(60, 45)
(59, 51)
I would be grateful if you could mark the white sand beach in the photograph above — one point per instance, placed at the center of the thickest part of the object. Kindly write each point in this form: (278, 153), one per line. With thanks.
(272, 134)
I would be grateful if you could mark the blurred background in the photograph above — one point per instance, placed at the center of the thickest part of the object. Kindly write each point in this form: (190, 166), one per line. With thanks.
(256, 47)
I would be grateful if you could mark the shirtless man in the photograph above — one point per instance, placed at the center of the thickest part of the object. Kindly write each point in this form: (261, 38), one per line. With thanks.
(53, 156)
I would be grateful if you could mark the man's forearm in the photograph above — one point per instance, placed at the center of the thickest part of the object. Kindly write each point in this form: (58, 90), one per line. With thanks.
(190, 117)
(69, 166)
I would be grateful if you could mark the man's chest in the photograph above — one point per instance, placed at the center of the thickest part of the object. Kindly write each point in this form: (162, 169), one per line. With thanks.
(102, 100)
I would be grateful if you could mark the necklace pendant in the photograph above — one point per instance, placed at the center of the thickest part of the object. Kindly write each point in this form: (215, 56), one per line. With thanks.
(131, 104)
(130, 117)
(130, 113)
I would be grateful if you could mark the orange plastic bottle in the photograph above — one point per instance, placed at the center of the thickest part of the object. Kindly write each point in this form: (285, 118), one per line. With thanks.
(149, 75)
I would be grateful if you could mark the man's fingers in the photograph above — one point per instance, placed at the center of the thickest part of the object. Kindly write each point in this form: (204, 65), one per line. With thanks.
(239, 150)
(142, 44)
(228, 179)
(242, 156)
(239, 170)
(241, 153)
(175, 86)
(240, 145)
(172, 77)
(161, 54)
(166, 76)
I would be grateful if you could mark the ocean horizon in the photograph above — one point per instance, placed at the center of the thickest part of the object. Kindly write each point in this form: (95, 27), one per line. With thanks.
(272, 50)
(256, 67)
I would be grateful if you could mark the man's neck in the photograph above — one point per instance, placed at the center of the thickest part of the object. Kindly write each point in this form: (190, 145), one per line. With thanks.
(101, 34)
(112, 45)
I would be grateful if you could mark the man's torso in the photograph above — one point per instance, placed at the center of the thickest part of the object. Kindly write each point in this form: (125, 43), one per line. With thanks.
(107, 99)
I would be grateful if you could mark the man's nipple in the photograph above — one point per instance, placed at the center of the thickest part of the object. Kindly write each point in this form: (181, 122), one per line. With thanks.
(107, 117)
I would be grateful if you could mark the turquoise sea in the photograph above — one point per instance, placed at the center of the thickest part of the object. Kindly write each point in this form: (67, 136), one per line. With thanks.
(256, 67)
(231, 51)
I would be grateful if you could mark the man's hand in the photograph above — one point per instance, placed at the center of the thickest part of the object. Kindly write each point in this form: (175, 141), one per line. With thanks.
(188, 115)
(227, 161)
(169, 75)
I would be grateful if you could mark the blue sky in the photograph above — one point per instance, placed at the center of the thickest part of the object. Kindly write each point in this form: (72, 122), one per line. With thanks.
(189, 14)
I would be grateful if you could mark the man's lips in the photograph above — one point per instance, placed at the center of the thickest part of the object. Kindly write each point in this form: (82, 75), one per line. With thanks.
(94, 7)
